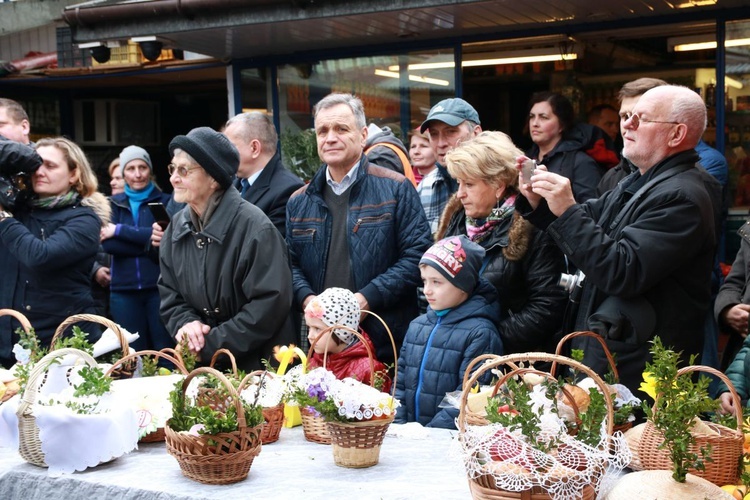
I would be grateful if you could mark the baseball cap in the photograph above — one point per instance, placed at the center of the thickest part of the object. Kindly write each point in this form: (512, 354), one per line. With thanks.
(451, 111)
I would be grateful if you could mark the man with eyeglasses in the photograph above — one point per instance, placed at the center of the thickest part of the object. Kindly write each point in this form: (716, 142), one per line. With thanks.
(646, 247)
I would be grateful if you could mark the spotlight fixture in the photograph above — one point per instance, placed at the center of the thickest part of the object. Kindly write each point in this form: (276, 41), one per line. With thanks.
(101, 53)
(150, 47)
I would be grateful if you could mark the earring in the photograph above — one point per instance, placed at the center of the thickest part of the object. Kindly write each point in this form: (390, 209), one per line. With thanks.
(495, 212)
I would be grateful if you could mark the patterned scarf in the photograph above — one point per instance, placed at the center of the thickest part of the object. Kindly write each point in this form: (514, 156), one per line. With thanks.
(64, 200)
(478, 229)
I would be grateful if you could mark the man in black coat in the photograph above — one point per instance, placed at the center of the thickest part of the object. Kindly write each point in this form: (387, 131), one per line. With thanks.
(261, 178)
(647, 246)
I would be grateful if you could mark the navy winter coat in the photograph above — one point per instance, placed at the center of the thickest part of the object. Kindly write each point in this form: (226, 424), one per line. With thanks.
(46, 256)
(388, 233)
(436, 353)
(132, 268)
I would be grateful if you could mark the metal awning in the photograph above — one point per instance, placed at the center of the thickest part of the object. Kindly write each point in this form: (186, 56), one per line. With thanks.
(236, 29)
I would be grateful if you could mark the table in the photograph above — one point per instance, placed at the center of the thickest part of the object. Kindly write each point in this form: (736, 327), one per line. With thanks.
(409, 468)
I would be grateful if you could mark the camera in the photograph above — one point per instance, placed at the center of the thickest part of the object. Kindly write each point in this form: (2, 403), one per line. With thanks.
(573, 284)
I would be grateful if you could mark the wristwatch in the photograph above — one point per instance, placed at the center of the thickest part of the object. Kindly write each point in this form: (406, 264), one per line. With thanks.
(4, 215)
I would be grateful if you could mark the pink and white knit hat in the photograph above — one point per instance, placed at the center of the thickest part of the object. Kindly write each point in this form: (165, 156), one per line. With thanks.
(336, 306)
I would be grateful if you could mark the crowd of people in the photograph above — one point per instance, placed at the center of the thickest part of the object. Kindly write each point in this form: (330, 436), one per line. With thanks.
(456, 252)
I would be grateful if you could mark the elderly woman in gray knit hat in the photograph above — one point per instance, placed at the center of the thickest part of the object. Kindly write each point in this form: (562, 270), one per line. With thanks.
(225, 278)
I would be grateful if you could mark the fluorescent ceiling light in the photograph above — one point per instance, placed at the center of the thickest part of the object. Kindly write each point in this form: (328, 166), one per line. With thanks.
(733, 83)
(499, 58)
(685, 44)
(413, 78)
(695, 3)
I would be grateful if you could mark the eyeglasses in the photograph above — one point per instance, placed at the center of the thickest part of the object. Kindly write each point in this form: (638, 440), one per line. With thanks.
(181, 170)
(636, 120)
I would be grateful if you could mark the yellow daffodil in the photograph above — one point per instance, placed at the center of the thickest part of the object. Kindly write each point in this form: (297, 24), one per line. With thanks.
(649, 384)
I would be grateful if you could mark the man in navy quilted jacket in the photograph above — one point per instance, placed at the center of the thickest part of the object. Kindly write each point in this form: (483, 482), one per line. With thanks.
(357, 226)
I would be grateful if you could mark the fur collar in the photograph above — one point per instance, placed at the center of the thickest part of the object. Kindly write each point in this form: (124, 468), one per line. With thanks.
(514, 237)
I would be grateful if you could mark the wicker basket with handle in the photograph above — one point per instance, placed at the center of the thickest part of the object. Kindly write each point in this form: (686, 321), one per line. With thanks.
(26, 325)
(216, 459)
(158, 435)
(29, 444)
(125, 370)
(483, 485)
(726, 444)
(357, 444)
(214, 397)
(610, 359)
(273, 416)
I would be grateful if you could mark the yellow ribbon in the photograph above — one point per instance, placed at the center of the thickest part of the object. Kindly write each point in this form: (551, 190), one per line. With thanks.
(285, 356)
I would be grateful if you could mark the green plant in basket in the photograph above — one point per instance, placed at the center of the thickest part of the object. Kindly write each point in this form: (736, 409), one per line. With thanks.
(191, 417)
(678, 401)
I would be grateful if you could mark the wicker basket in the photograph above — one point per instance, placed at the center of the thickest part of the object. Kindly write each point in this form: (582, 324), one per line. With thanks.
(726, 444)
(273, 416)
(357, 444)
(126, 369)
(158, 435)
(315, 427)
(484, 486)
(607, 353)
(29, 444)
(216, 459)
(26, 325)
(214, 398)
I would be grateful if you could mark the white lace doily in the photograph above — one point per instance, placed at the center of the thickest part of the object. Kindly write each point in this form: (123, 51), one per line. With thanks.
(516, 466)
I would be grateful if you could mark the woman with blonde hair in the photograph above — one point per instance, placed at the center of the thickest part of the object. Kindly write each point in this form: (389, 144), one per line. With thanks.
(48, 245)
(522, 263)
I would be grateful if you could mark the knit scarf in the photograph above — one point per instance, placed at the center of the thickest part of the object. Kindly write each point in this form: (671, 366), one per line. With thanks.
(478, 229)
(137, 197)
(64, 200)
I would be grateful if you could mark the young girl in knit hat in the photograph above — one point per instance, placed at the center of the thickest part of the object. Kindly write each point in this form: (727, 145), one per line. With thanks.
(347, 355)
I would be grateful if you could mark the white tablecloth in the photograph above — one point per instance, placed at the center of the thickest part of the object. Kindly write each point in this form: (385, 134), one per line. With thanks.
(408, 468)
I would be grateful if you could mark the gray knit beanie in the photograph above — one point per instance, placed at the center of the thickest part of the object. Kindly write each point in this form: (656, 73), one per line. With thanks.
(212, 150)
(131, 153)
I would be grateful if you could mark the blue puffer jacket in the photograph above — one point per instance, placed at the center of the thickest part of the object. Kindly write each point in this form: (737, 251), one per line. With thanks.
(388, 233)
(46, 256)
(132, 268)
(436, 353)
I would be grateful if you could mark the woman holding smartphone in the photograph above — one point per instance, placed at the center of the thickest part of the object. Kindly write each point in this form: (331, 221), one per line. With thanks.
(521, 262)
(134, 297)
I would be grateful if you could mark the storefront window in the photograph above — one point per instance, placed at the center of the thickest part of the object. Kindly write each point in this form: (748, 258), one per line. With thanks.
(387, 85)
(256, 94)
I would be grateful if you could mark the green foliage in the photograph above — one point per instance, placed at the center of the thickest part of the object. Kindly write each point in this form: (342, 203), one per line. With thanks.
(299, 153)
(381, 377)
(149, 366)
(679, 401)
(185, 416)
(590, 427)
(188, 357)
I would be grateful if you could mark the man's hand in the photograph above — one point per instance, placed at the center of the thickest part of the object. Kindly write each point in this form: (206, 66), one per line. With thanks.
(736, 317)
(726, 403)
(195, 331)
(156, 233)
(103, 277)
(554, 188)
(307, 301)
(107, 231)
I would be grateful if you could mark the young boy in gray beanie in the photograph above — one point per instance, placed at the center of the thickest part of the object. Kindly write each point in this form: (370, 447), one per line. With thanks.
(459, 325)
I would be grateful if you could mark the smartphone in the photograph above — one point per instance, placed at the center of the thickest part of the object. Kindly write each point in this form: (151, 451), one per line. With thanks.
(527, 170)
(160, 214)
